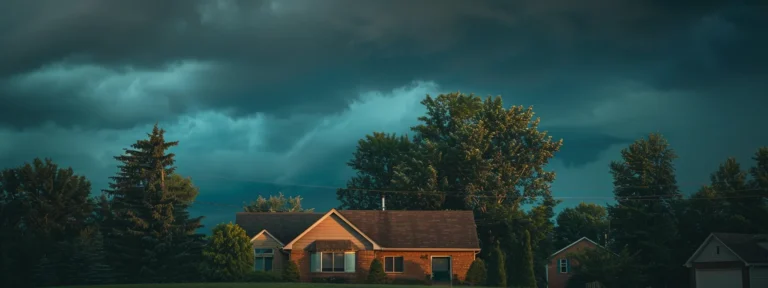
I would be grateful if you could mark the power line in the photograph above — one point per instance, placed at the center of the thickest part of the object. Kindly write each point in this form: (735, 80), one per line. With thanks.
(448, 193)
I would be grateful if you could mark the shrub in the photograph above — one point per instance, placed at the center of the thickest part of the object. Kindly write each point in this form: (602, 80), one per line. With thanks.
(229, 254)
(476, 275)
(262, 276)
(376, 274)
(291, 272)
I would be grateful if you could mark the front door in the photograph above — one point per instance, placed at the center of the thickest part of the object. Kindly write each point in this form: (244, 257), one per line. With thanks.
(441, 269)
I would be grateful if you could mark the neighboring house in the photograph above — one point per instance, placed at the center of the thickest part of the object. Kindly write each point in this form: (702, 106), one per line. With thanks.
(730, 260)
(558, 270)
(343, 243)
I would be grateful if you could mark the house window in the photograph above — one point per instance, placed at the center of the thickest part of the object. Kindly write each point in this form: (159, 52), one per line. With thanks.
(564, 265)
(332, 262)
(717, 250)
(393, 264)
(263, 260)
(263, 263)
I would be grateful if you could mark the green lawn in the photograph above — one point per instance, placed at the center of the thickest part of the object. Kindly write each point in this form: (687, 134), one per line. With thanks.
(249, 285)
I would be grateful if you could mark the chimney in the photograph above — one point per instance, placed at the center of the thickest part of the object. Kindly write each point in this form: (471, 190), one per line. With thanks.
(383, 204)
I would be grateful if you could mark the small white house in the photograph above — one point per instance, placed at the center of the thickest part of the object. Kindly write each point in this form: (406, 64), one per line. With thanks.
(730, 260)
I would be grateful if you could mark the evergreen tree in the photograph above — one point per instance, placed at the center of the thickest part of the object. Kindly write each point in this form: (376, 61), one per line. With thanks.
(497, 275)
(376, 273)
(150, 236)
(528, 278)
(644, 217)
(477, 274)
(291, 272)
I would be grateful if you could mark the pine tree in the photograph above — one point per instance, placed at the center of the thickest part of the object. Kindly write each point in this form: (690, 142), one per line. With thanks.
(150, 237)
(497, 274)
(291, 272)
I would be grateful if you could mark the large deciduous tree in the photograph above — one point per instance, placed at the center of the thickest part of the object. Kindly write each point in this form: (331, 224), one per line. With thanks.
(585, 220)
(467, 153)
(643, 218)
(150, 235)
(41, 205)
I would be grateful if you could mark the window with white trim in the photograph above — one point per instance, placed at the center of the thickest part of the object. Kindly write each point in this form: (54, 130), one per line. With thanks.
(563, 265)
(332, 262)
(264, 258)
(393, 264)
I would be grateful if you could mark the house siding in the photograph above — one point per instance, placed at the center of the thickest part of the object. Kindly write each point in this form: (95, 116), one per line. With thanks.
(709, 253)
(279, 257)
(332, 228)
(557, 279)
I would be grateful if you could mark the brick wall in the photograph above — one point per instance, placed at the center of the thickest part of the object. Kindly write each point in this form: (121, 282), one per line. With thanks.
(417, 264)
(557, 279)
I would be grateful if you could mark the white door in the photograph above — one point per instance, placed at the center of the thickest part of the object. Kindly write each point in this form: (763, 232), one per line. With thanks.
(718, 278)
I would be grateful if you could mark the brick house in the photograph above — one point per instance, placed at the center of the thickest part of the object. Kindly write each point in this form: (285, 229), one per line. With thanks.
(730, 260)
(559, 266)
(343, 243)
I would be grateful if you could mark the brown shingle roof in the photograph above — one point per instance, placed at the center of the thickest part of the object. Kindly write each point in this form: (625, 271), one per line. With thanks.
(747, 246)
(417, 229)
(389, 229)
(284, 225)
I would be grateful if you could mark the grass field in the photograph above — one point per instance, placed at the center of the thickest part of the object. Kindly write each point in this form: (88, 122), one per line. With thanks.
(250, 285)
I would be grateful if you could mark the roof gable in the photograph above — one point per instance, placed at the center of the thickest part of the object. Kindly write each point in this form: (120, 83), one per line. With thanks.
(328, 215)
(582, 239)
(748, 248)
(266, 233)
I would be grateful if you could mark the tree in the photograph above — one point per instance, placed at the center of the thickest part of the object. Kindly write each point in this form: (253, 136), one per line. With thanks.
(182, 187)
(644, 218)
(584, 220)
(605, 267)
(276, 204)
(40, 205)
(376, 273)
(150, 235)
(497, 275)
(477, 273)
(291, 272)
(759, 185)
(467, 153)
(528, 278)
(229, 254)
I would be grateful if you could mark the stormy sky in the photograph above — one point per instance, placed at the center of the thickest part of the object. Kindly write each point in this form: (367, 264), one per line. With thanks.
(272, 95)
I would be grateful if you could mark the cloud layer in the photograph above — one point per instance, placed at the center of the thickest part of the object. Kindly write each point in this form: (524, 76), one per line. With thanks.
(280, 90)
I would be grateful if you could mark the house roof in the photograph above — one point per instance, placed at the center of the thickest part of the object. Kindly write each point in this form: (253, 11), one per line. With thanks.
(574, 243)
(750, 248)
(389, 229)
(417, 229)
(747, 246)
(284, 226)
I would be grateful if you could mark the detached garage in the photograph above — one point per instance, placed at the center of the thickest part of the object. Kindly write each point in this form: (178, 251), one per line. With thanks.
(730, 260)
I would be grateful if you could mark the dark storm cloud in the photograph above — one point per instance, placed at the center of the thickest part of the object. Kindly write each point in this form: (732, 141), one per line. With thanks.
(311, 56)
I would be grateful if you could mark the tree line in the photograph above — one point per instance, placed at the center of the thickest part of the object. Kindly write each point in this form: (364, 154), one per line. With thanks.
(466, 153)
